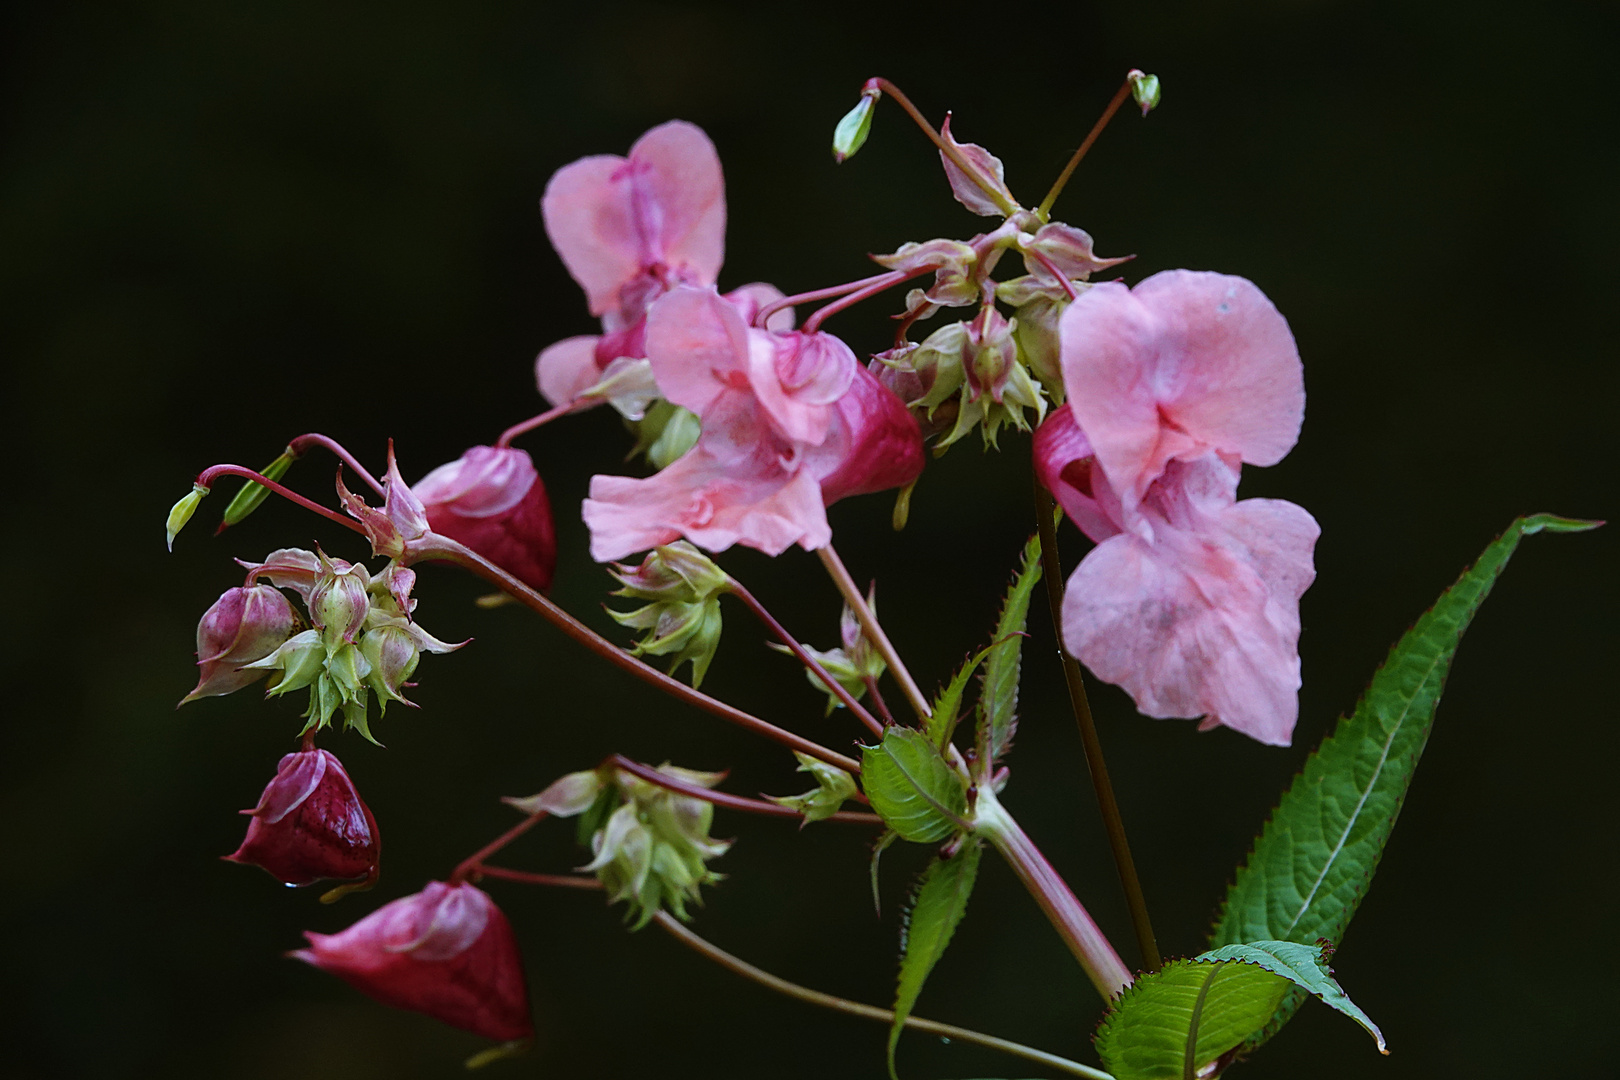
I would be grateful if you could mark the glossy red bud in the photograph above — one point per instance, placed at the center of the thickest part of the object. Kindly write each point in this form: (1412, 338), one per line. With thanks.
(446, 951)
(492, 500)
(242, 626)
(311, 824)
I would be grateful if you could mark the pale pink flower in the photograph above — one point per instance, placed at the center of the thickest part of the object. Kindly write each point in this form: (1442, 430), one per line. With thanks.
(1189, 601)
(1185, 363)
(629, 230)
(791, 422)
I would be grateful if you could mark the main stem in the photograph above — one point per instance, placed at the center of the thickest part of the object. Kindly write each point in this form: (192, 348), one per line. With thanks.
(731, 963)
(874, 632)
(1074, 924)
(1102, 784)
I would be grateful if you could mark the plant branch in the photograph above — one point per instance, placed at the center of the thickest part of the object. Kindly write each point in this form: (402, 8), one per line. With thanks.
(206, 478)
(879, 284)
(524, 877)
(705, 948)
(1073, 923)
(466, 866)
(829, 293)
(314, 438)
(724, 798)
(444, 549)
(1118, 99)
(874, 632)
(945, 147)
(834, 687)
(1113, 822)
(533, 422)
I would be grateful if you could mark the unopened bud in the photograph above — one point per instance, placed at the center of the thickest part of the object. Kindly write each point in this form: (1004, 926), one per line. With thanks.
(665, 433)
(992, 354)
(253, 493)
(1035, 329)
(392, 655)
(833, 787)
(1145, 89)
(243, 626)
(338, 603)
(672, 572)
(850, 134)
(181, 512)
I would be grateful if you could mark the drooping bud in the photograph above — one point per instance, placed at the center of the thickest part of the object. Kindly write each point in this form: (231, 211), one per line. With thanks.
(850, 134)
(253, 493)
(683, 620)
(955, 265)
(833, 788)
(1145, 89)
(242, 626)
(852, 664)
(492, 500)
(298, 662)
(339, 602)
(446, 951)
(568, 796)
(311, 824)
(181, 512)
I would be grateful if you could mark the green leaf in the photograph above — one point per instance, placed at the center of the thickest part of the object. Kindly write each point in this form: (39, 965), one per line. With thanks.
(1173, 1022)
(1306, 967)
(912, 787)
(942, 720)
(939, 904)
(998, 698)
(1314, 859)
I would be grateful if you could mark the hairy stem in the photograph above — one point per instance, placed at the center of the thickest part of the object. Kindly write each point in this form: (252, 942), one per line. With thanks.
(874, 632)
(443, 549)
(1096, 765)
(1118, 99)
(708, 949)
(834, 687)
(314, 438)
(945, 148)
(744, 803)
(1074, 924)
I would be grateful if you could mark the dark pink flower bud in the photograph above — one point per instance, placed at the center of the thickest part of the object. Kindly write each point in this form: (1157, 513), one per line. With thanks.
(876, 446)
(339, 603)
(991, 354)
(446, 951)
(493, 500)
(244, 625)
(311, 824)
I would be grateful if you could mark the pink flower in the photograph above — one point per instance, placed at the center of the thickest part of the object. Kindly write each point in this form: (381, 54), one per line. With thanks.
(243, 625)
(791, 422)
(311, 824)
(1185, 363)
(629, 230)
(446, 951)
(1191, 601)
(492, 500)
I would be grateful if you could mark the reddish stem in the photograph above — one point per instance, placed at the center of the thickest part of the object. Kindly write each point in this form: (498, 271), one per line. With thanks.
(442, 548)
(207, 476)
(564, 881)
(879, 284)
(834, 687)
(938, 140)
(877, 699)
(1043, 210)
(762, 807)
(1051, 268)
(297, 447)
(466, 866)
(813, 295)
(536, 421)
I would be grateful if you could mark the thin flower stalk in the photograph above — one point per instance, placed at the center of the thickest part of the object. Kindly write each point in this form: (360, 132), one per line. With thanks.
(874, 631)
(722, 798)
(1044, 210)
(298, 446)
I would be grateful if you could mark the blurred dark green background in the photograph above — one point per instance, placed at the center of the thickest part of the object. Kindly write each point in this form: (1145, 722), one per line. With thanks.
(225, 224)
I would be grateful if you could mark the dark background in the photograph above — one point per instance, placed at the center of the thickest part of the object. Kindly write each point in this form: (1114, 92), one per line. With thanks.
(224, 224)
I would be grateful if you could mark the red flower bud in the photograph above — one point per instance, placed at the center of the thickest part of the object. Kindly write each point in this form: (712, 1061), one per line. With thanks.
(492, 500)
(311, 824)
(244, 625)
(446, 951)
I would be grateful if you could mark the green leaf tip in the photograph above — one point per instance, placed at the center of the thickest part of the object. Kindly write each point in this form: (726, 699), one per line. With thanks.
(936, 908)
(998, 696)
(1315, 858)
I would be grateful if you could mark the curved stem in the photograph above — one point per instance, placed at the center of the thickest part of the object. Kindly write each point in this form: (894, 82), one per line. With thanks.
(945, 148)
(874, 632)
(533, 422)
(207, 476)
(708, 949)
(1073, 923)
(443, 549)
(467, 865)
(1118, 99)
(879, 284)
(834, 687)
(1113, 822)
(1051, 268)
(876, 695)
(814, 295)
(725, 798)
(314, 438)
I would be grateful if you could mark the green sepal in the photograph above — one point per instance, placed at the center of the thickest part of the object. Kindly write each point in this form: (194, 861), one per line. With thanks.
(912, 787)
(1315, 857)
(833, 787)
(936, 908)
(998, 694)
(254, 493)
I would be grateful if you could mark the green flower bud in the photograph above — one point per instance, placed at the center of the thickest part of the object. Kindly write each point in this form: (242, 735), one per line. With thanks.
(850, 134)
(1145, 89)
(181, 512)
(664, 433)
(833, 787)
(253, 493)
